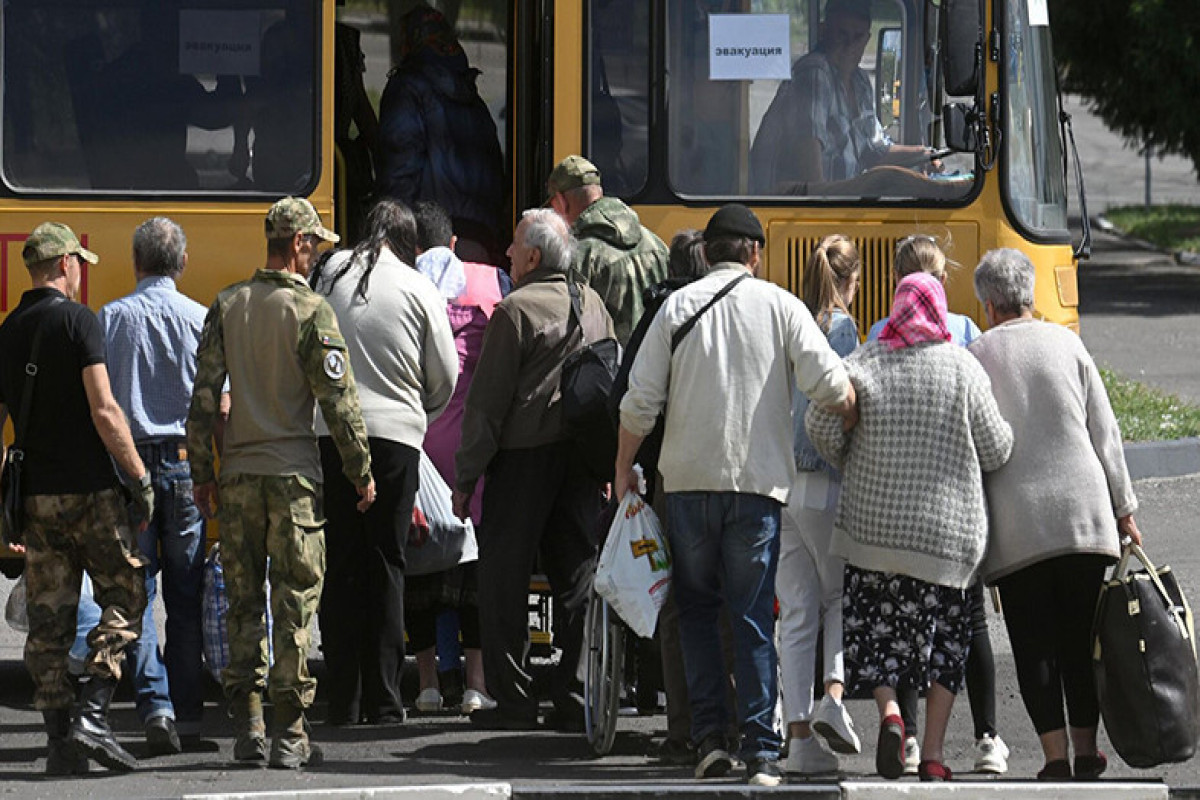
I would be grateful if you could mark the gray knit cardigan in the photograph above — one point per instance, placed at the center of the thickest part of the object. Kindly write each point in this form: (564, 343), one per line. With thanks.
(912, 494)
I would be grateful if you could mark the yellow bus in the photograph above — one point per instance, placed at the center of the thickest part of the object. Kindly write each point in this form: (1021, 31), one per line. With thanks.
(207, 111)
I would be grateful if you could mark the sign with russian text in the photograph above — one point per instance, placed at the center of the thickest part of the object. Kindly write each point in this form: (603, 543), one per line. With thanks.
(219, 42)
(748, 47)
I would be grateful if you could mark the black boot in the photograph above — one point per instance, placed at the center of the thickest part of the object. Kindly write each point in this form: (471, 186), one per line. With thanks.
(63, 759)
(90, 734)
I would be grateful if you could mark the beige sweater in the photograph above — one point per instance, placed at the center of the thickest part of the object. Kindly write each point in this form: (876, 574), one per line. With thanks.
(1066, 481)
(728, 389)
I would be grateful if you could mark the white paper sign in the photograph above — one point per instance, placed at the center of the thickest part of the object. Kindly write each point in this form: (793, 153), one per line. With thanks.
(1039, 14)
(747, 47)
(219, 42)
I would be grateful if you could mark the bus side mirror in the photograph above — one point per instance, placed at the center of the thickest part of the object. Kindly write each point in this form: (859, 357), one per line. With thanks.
(962, 50)
(887, 76)
(959, 122)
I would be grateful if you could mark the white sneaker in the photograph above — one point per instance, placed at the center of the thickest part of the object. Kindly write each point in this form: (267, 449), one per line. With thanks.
(912, 755)
(474, 700)
(832, 722)
(429, 701)
(991, 755)
(808, 757)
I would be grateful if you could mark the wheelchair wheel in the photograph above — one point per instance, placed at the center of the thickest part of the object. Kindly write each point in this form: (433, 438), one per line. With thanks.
(604, 640)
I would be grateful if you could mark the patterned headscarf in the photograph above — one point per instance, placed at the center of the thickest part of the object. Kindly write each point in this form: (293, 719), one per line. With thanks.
(918, 313)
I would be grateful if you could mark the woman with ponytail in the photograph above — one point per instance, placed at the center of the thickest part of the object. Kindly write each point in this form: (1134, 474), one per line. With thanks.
(809, 582)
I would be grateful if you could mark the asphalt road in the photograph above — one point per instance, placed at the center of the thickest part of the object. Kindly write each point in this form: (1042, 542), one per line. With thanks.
(447, 749)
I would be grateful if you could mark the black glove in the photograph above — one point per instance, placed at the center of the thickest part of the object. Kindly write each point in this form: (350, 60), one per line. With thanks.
(142, 497)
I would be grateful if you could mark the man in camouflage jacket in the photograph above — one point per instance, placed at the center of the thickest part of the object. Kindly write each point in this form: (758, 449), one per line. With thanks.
(279, 344)
(617, 256)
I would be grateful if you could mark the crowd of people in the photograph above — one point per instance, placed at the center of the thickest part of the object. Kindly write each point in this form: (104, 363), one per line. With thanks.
(875, 489)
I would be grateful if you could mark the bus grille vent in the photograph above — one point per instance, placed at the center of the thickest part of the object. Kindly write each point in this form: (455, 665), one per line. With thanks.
(874, 300)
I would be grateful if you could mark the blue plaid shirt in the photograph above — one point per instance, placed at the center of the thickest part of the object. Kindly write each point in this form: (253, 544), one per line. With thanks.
(152, 337)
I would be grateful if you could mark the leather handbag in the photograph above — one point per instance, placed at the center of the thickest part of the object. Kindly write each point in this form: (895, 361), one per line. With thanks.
(1144, 658)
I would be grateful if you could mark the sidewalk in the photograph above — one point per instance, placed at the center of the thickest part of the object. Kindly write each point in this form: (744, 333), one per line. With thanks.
(1140, 315)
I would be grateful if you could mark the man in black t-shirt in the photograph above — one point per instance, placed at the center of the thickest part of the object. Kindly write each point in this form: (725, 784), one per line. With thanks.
(75, 515)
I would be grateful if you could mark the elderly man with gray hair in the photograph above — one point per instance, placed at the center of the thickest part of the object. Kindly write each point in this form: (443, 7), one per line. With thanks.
(1058, 510)
(538, 497)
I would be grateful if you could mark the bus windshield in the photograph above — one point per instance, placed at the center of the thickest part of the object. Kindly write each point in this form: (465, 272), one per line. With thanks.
(157, 96)
(1035, 183)
(766, 100)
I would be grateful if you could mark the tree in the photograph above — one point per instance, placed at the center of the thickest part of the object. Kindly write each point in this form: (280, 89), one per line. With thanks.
(1134, 60)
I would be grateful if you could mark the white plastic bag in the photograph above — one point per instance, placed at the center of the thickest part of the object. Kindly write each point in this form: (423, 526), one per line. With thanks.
(634, 571)
(445, 541)
(15, 610)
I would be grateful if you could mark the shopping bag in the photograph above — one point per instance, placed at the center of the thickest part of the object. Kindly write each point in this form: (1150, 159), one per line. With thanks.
(15, 610)
(1144, 658)
(214, 613)
(437, 540)
(634, 570)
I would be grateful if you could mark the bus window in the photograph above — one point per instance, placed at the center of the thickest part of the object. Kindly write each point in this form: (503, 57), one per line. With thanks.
(151, 96)
(619, 104)
(1035, 183)
(779, 122)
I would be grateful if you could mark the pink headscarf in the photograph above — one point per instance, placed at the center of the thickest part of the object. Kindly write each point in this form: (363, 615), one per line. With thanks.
(918, 313)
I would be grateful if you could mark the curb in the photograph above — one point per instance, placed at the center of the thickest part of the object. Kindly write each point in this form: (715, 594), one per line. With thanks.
(847, 790)
(1170, 459)
(448, 791)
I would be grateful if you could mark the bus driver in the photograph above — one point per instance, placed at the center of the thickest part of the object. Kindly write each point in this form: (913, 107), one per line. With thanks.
(821, 126)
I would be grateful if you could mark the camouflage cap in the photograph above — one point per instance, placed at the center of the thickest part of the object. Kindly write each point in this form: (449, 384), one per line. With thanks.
(293, 215)
(571, 173)
(53, 240)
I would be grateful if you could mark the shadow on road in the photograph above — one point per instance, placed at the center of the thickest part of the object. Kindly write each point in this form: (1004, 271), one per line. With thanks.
(1153, 288)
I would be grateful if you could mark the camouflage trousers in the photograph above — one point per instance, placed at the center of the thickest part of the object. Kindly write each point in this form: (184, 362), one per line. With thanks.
(280, 517)
(66, 534)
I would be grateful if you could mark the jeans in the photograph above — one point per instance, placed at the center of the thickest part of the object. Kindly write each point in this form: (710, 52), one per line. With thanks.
(174, 543)
(725, 547)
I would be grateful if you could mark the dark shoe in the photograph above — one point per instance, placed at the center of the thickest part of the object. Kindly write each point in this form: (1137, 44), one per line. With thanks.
(763, 773)
(249, 729)
(62, 759)
(162, 737)
(1090, 768)
(495, 719)
(713, 759)
(452, 684)
(677, 752)
(889, 750)
(933, 772)
(1056, 770)
(388, 718)
(290, 746)
(90, 734)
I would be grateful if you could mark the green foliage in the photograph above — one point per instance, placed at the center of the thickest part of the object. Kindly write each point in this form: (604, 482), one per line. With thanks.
(1147, 414)
(1171, 227)
(1135, 60)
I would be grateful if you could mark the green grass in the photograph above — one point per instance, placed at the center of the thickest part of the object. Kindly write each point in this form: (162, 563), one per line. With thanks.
(1171, 227)
(1147, 414)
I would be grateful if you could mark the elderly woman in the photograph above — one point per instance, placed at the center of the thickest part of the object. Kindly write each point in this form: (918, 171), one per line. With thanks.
(1057, 508)
(911, 521)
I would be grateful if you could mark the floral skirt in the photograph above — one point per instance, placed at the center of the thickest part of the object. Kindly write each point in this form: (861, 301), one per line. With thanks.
(902, 632)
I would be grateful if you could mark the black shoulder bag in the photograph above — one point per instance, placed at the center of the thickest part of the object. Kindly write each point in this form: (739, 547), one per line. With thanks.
(587, 381)
(12, 497)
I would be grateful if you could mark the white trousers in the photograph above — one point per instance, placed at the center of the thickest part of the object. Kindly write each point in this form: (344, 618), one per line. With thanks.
(808, 585)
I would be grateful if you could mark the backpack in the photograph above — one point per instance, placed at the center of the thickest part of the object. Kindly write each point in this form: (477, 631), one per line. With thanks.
(587, 381)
